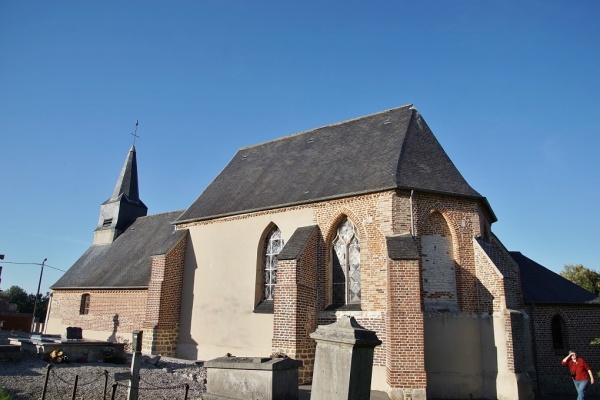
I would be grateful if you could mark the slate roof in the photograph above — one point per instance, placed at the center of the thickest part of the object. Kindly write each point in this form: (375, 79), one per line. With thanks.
(126, 262)
(387, 150)
(540, 285)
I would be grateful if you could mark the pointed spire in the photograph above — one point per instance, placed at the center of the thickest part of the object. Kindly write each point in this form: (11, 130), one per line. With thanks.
(124, 206)
(127, 183)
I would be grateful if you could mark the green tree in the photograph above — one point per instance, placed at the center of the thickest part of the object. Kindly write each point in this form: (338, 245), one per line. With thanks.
(18, 296)
(25, 301)
(584, 277)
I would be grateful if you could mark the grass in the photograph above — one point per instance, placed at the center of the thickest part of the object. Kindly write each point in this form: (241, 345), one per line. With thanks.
(4, 395)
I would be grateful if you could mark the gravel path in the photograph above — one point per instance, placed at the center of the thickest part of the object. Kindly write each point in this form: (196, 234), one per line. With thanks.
(166, 380)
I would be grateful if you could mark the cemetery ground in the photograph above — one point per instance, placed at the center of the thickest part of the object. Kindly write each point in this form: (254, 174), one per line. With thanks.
(165, 379)
(24, 380)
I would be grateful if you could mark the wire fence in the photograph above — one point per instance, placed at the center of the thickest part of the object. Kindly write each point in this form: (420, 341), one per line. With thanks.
(63, 383)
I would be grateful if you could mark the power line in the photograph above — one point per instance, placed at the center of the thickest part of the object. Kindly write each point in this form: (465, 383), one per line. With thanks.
(22, 263)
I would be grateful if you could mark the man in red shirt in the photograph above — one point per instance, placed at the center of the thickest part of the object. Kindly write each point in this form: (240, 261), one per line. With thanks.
(580, 372)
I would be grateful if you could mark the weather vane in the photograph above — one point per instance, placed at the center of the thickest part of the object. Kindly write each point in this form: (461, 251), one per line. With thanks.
(135, 133)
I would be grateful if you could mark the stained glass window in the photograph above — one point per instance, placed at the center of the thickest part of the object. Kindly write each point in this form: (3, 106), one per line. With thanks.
(273, 245)
(346, 265)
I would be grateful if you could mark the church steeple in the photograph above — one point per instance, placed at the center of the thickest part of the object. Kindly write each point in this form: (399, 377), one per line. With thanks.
(127, 184)
(124, 206)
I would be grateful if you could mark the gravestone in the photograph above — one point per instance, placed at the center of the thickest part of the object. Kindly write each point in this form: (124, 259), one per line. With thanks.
(343, 361)
(74, 333)
(242, 378)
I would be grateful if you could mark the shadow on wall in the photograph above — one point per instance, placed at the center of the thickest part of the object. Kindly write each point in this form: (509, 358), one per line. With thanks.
(187, 348)
(461, 358)
(113, 335)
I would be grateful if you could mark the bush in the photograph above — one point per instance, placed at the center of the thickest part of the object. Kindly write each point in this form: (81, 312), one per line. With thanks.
(4, 395)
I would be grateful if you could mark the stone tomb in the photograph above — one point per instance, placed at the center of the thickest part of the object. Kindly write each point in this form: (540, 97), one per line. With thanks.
(256, 378)
(77, 350)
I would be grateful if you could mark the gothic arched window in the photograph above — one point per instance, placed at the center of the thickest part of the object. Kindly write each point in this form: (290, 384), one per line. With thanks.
(84, 306)
(345, 254)
(273, 245)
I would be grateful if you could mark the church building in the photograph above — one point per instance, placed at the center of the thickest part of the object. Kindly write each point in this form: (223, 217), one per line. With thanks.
(367, 218)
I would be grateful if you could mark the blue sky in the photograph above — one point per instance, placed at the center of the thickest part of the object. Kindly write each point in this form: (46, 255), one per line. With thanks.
(511, 89)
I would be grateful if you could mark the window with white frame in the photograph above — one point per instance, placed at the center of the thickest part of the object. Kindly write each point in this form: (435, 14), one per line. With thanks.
(273, 245)
(345, 254)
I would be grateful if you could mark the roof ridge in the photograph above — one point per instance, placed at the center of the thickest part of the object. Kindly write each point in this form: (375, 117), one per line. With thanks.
(410, 106)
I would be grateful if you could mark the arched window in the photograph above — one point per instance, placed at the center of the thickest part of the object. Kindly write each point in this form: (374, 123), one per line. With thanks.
(273, 245)
(558, 333)
(345, 255)
(84, 306)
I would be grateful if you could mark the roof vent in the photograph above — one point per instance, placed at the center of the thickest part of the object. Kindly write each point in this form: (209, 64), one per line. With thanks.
(107, 222)
(311, 140)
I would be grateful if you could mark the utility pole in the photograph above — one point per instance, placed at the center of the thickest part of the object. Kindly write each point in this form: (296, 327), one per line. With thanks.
(37, 295)
(2, 258)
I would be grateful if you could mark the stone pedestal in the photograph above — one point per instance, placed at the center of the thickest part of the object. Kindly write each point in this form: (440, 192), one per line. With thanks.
(343, 361)
(241, 378)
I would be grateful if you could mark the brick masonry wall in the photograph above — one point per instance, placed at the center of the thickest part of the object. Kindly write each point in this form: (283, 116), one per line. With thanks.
(373, 217)
(371, 320)
(163, 308)
(499, 291)
(465, 219)
(490, 287)
(376, 216)
(439, 275)
(118, 311)
(581, 327)
(405, 323)
(295, 308)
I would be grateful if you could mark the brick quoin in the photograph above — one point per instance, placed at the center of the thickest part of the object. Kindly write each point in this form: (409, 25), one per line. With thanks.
(161, 322)
(295, 308)
(405, 358)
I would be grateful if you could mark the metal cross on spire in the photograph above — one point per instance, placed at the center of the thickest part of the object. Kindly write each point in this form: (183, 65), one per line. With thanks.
(135, 133)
